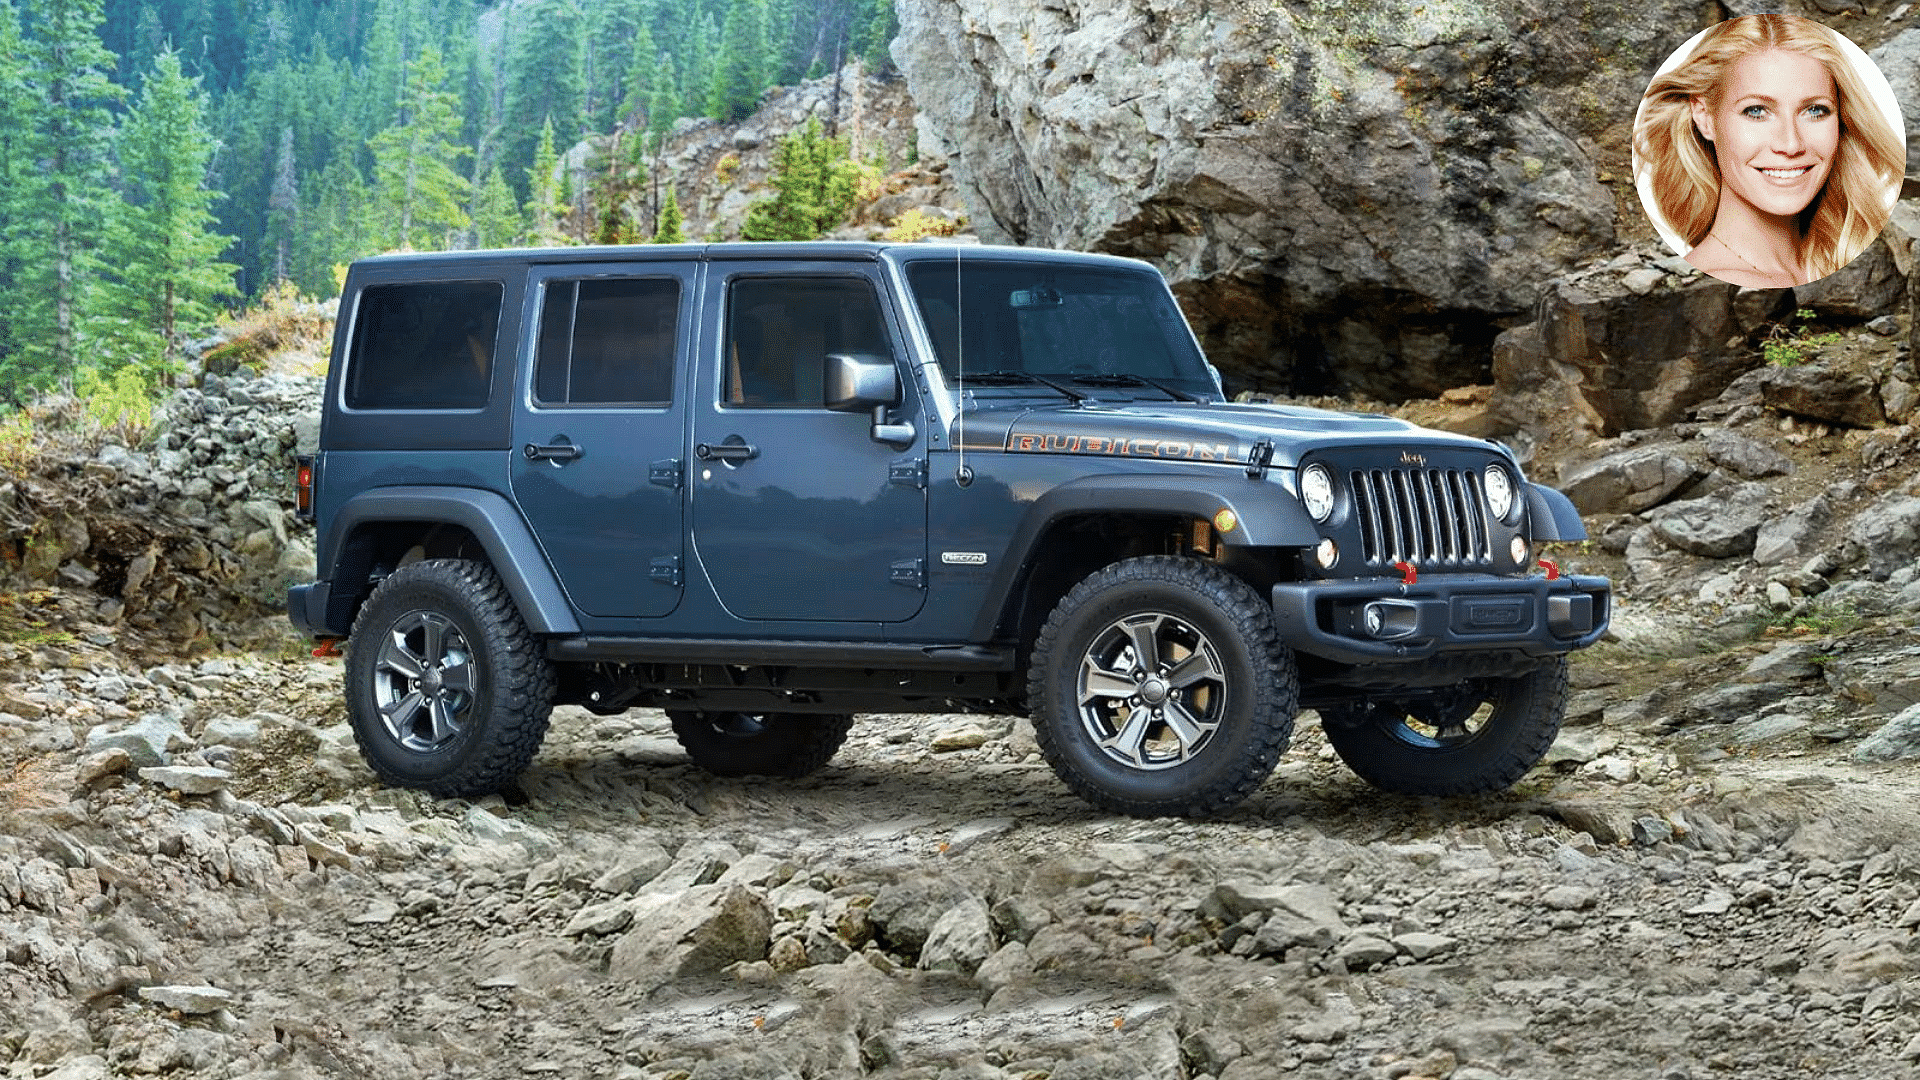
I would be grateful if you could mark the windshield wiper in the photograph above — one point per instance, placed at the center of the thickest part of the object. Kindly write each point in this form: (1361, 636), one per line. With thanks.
(1119, 379)
(1014, 378)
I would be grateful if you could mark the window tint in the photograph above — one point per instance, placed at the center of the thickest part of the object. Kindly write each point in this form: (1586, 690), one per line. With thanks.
(424, 346)
(607, 341)
(781, 330)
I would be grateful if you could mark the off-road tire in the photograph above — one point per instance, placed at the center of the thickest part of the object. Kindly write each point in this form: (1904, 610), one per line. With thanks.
(1380, 745)
(469, 734)
(1084, 721)
(789, 745)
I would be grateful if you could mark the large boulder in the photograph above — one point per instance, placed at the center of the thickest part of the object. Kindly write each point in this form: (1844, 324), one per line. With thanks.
(1347, 198)
(1628, 481)
(1605, 354)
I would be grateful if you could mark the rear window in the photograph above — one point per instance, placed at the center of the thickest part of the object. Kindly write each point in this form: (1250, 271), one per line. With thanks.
(607, 341)
(424, 345)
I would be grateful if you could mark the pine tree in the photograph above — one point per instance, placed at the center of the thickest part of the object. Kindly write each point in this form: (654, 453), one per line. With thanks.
(663, 101)
(546, 199)
(17, 172)
(414, 162)
(496, 220)
(161, 275)
(672, 228)
(739, 72)
(62, 200)
(815, 186)
(336, 230)
(544, 82)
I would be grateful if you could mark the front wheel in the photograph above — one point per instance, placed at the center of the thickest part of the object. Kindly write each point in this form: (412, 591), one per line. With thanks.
(447, 690)
(1481, 735)
(1159, 686)
(760, 744)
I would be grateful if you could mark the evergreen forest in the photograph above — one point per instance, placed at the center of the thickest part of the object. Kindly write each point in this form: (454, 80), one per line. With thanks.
(162, 161)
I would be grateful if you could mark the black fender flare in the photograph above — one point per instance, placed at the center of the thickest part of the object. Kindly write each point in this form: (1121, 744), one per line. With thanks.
(509, 543)
(1265, 514)
(1553, 514)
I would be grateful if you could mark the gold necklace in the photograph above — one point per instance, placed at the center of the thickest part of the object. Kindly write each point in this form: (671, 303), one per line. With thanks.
(1742, 258)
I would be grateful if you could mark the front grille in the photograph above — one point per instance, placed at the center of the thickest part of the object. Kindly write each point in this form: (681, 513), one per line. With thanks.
(1427, 517)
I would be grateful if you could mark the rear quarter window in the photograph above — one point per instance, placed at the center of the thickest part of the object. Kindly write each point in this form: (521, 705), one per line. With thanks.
(424, 345)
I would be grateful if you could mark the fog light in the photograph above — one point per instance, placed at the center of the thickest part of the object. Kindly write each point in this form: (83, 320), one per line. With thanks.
(1518, 549)
(1374, 618)
(1326, 554)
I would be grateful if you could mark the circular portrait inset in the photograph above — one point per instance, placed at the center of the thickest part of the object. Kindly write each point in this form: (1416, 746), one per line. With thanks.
(1768, 151)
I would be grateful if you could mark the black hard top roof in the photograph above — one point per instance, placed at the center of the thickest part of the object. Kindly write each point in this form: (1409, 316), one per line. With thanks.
(811, 250)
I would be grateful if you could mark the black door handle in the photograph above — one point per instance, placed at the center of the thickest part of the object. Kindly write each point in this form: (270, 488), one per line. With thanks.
(731, 450)
(552, 452)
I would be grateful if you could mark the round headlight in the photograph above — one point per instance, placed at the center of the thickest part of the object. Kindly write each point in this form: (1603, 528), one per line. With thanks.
(1316, 491)
(1499, 491)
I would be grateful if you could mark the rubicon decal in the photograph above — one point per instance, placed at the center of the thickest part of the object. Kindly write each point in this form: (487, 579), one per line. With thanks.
(1180, 449)
(964, 558)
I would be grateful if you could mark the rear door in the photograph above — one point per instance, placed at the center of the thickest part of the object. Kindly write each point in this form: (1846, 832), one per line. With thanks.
(798, 513)
(598, 431)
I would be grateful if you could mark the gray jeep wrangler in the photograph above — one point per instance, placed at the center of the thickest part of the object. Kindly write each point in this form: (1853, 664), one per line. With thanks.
(765, 487)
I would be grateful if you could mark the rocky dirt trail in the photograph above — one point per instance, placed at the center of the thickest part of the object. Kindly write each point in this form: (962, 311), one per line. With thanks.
(1656, 903)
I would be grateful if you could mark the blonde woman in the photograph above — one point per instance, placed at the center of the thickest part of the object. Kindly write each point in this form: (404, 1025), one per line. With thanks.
(1765, 153)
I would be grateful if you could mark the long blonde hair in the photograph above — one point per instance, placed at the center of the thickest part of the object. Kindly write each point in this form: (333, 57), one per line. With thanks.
(1852, 206)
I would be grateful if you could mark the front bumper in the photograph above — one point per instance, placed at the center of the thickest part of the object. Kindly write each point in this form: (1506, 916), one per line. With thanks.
(1375, 620)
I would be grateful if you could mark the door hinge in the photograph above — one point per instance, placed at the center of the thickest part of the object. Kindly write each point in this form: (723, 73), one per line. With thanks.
(909, 473)
(666, 570)
(910, 572)
(665, 473)
(1259, 458)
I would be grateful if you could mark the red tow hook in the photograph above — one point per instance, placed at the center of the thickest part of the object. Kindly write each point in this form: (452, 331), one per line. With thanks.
(329, 648)
(1408, 575)
(1552, 568)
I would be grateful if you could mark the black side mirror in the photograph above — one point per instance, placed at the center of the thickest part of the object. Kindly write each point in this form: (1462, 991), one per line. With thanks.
(854, 382)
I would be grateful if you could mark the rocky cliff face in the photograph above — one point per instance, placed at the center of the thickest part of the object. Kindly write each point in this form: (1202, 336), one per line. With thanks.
(1351, 196)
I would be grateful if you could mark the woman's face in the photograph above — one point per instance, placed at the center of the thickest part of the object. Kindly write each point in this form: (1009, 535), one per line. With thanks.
(1775, 130)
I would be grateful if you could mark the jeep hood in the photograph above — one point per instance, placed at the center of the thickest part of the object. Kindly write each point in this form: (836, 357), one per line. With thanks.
(1191, 432)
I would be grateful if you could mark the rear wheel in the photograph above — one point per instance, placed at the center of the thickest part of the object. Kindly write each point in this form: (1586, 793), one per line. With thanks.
(1481, 735)
(447, 690)
(1160, 686)
(760, 744)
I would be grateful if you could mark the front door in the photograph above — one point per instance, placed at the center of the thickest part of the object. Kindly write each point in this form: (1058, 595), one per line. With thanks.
(598, 433)
(798, 513)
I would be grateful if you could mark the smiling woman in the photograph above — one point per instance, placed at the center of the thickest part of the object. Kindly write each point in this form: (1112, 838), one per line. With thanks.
(1768, 151)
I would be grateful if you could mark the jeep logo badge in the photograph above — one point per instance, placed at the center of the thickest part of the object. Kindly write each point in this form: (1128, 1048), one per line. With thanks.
(1408, 457)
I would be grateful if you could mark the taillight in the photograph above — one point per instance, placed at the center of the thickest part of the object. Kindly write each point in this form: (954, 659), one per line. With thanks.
(303, 486)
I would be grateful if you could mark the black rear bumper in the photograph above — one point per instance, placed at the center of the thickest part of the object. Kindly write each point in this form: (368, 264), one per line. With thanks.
(307, 609)
(1376, 620)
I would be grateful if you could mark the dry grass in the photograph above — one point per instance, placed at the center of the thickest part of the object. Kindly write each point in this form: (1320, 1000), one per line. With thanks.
(284, 332)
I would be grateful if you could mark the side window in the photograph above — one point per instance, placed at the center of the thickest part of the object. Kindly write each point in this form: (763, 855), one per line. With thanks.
(428, 345)
(780, 331)
(607, 341)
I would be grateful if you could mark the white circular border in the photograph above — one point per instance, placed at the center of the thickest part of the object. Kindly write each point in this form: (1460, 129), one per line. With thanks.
(1863, 66)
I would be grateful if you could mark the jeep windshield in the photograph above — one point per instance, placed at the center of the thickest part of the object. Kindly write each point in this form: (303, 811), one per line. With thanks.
(1046, 328)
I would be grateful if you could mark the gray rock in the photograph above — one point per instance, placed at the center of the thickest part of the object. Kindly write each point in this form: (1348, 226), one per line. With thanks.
(1822, 392)
(1788, 661)
(1313, 903)
(1629, 481)
(109, 762)
(905, 912)
(191, 1000)
(1424, 946)
(1578, 746)
(238, 732)
(188, 779)
(1868, 287)
(148, 741)
(600, 919)
(699, 862)
(1720, 526)
(697, 932)
(1363, 951)
(1896, 740)
(1785, 538)
(640, 862)
(1008, 966)
(1750, 459)
(1899, 60)
(1889, 533)
(960, 941)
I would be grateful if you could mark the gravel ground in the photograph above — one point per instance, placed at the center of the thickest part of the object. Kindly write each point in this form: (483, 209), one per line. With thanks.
(1666, 899)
